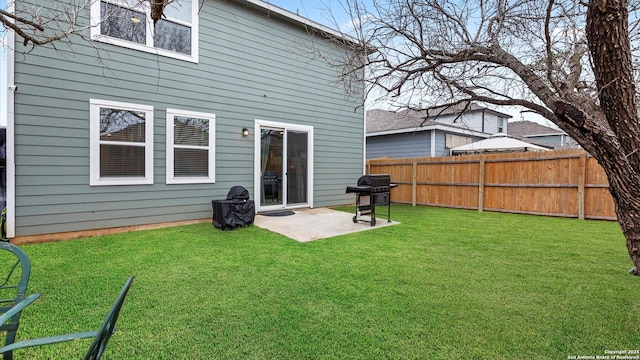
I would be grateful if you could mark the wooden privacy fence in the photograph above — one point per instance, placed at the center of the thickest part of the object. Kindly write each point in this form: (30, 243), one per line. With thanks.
(567, 183)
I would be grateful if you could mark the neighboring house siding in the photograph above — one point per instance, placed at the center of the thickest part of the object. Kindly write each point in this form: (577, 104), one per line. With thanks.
(440, 144)
(383, 127)
(400, 145)
(555, 140)
(471, 120)
(443, 149)
(449, 119)
(247, 70)
(491, 123)
(482, 121)
(407, 145)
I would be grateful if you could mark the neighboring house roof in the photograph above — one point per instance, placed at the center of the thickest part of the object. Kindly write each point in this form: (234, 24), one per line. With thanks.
(434, 113)
(387, 122)
(539, 134)
(383, 122)
(497, 142)
(527, 128)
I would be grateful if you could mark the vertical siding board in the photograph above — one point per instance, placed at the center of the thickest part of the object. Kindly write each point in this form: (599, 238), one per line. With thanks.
(481, 181)
(581, 184)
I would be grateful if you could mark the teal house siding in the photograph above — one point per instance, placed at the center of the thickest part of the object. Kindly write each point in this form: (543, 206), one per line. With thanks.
(251, 66)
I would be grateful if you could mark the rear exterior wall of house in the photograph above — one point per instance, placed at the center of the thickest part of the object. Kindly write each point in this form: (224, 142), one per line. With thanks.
(250, 67)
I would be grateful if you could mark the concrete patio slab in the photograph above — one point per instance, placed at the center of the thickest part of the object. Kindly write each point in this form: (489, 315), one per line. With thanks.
(313, 224)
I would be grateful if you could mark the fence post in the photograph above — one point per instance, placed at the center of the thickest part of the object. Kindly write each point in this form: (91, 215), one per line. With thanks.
(481, 185)
(581, 185)
(414, 185)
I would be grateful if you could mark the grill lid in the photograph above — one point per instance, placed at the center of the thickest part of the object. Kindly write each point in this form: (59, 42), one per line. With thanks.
(375, 180)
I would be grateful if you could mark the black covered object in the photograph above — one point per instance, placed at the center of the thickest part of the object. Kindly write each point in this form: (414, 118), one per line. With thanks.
(238, 193)
(235, 212)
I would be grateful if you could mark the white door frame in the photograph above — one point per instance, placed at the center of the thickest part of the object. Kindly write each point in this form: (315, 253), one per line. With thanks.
(257, 172)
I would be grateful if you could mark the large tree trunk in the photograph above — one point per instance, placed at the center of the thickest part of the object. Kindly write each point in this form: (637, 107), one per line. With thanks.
(608, 37)
(625, 193)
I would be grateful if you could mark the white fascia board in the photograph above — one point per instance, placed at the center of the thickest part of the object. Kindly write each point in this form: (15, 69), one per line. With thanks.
(300, 19)
(451, 129)
(498, 113)
(364, 143)
(543, 135)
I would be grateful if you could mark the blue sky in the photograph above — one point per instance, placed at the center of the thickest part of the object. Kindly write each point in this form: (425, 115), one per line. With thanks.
(322, 11)
(314, 10)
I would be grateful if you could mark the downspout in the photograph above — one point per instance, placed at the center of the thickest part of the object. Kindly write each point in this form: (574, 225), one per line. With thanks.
(433, 143)
(10, 142)
(482, 120)
(364, 143)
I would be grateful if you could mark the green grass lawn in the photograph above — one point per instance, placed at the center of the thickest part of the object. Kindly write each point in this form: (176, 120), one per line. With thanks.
(450, 284)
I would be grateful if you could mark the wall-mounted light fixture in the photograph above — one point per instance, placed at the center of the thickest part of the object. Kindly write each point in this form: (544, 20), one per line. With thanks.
(245, 132)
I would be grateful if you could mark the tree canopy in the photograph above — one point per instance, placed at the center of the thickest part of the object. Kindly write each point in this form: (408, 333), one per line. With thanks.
(573, 62)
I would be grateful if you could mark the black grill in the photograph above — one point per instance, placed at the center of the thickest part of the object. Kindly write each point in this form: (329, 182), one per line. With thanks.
(372, 190)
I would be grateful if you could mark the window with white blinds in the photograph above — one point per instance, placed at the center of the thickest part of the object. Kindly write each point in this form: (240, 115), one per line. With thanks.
(190, 147)
(121, 143)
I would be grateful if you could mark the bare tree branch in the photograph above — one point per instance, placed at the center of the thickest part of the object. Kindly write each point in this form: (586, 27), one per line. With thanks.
(574, 62)
(60, 20)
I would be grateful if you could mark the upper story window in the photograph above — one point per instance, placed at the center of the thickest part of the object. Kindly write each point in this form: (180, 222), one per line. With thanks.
(501, 122)
(121, 143)
(190, 147)
(128, 23)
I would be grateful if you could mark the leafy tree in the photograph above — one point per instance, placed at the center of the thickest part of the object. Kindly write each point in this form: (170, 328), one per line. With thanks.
(573, 62)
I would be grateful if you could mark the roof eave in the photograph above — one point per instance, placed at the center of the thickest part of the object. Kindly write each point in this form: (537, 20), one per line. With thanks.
(543, 135)
(458, 113)
(288, 16)
(452, 129)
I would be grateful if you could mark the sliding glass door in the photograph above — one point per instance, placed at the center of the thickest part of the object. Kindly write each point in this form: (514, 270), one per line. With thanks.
(297, 167)
(284, 163)
(271, 170)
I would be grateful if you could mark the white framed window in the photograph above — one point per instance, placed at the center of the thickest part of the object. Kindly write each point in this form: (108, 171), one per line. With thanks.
(501, 122)
(190, 147)
(121, 143)
(128, 23)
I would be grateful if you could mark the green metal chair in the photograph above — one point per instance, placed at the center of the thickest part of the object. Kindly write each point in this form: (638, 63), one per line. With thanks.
(13, 288)
(100, 337)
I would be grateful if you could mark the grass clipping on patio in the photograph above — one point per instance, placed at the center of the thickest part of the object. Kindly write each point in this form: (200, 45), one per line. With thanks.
(443, 284)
